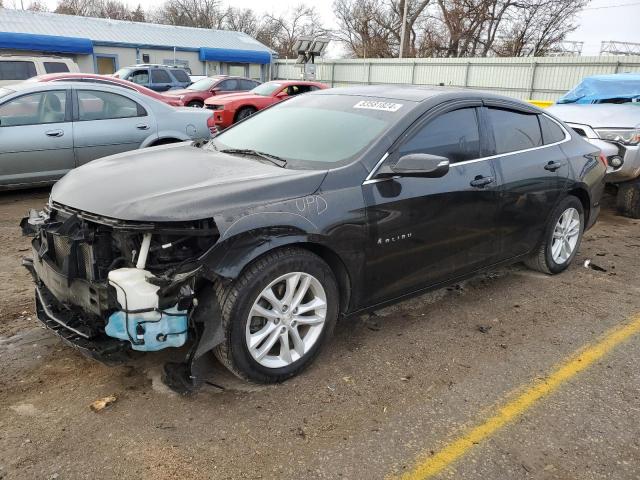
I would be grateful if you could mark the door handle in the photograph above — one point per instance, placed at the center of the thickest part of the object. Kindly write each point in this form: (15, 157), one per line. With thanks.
(142, 126)
(481, 181)
(54, 133)
(553, 166)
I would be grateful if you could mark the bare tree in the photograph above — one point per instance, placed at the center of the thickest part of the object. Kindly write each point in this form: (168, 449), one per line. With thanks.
(114, 9)
(192, 13)
(241, 20)
(373, 27)
(280, 32)
(536, 27)
(36, 6)
(359, 29)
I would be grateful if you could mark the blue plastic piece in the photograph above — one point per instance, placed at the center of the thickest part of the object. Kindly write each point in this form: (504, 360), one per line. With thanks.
(232, 55)
(168, 331)
(45, 43)
(604, 87)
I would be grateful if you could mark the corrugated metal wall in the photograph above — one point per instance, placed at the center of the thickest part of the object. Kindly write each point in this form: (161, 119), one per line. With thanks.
(540, 78)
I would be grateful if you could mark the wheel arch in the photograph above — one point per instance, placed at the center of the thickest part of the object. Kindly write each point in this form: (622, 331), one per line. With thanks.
(242, 107)
(583, 195)
(231, 258)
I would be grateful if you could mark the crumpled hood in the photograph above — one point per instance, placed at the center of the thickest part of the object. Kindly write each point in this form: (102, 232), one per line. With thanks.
(600, 115)
(178, 183)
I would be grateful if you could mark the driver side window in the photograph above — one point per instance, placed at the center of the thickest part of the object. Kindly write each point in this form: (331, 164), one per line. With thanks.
(34, 109)
(453, 135)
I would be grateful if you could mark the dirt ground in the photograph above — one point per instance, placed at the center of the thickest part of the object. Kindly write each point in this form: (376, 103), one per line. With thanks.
(387, 390)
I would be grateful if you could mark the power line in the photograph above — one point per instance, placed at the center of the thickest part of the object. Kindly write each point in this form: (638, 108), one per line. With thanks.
(612, 6)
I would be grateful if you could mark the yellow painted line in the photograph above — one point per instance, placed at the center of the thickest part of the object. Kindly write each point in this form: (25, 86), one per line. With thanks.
(430, 466)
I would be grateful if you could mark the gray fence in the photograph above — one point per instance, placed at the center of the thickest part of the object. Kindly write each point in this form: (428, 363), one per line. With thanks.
(539, 78)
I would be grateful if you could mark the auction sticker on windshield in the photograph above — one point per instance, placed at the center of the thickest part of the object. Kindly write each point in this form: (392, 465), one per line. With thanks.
(384, 106)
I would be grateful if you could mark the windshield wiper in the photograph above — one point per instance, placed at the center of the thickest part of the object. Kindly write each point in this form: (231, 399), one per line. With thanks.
(280, 162)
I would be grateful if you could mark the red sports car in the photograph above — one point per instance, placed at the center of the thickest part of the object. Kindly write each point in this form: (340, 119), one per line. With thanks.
(196, 93)
(231, 108)
(105, 79)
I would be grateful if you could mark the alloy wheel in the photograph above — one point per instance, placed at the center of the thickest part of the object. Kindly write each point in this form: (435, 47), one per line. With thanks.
(565, 235)
(286, 320)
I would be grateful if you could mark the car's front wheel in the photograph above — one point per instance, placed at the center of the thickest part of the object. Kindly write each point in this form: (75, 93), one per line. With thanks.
(245, 113)
(195, 104)
(277, 315)
(563, 235)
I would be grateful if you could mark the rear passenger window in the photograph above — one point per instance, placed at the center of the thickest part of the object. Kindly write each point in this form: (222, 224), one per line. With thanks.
(96, 105)
(247, 84)
(181, 76)
(514, 131)
(453, 135)
(16, 70)
(55, 67)
(551, 131)
(228, 85)
(160, 76)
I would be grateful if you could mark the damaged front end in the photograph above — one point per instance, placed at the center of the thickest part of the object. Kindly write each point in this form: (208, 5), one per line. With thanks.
(109, 286)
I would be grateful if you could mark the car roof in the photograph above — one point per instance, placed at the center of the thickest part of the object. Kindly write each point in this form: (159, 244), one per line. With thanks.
(419, 93)
(295, 82)
(25, 87)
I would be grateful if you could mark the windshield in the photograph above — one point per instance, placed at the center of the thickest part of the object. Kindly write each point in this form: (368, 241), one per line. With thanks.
(267, 89)
(315, 130)
(203, 85)
(122, 72)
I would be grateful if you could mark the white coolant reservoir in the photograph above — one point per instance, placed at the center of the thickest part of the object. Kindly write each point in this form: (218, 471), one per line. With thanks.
(133, 290)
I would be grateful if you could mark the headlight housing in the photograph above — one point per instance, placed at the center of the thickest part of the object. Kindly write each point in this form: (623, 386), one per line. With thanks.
(626, 136)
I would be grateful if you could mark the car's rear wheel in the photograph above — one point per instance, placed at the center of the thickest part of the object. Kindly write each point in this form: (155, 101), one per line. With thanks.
(628, 199)
(244, 113)
(277, 315)
(195, 104)
(562, 238)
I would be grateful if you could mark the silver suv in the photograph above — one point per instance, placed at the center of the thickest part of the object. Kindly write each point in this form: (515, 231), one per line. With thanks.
(605, 109)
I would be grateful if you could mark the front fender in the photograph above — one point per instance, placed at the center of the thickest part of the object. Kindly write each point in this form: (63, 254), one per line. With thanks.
(229, 258)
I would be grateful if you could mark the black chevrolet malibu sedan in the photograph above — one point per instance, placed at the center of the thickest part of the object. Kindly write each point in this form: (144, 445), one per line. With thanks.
(329, 204)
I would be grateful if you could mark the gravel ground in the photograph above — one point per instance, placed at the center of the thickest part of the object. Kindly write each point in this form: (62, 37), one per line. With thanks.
(387, 389)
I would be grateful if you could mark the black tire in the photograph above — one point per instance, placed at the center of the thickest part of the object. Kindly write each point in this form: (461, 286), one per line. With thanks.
(628, 199)
(195, 104)
(244, 112)
(542, 259)
(236, 300)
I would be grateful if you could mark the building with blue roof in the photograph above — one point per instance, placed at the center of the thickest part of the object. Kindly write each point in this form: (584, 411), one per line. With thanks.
(103, 46)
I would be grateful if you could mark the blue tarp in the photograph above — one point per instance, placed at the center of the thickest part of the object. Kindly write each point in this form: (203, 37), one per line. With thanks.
(603, 87)
(234, 56)
(45, 43)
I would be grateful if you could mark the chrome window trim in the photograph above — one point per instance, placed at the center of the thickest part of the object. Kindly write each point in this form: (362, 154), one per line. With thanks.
(567, 136)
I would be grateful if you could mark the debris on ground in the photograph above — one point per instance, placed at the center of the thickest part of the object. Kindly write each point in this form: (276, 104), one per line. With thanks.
(103, 403)
(372, 322)
(593, 266)
(484, 328)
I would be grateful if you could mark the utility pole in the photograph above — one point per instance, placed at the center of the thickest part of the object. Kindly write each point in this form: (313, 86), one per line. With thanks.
(403, 30)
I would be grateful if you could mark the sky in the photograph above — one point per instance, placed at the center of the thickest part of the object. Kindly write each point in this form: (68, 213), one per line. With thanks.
(602, 20)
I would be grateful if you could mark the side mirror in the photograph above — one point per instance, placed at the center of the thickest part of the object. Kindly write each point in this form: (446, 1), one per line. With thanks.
(282, 95)
(417, 165)
(215, 90)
